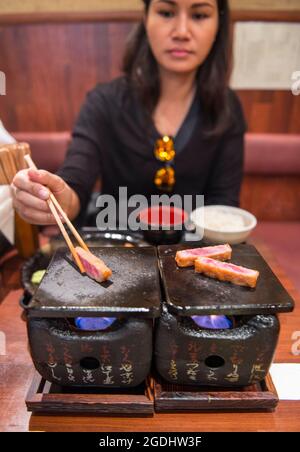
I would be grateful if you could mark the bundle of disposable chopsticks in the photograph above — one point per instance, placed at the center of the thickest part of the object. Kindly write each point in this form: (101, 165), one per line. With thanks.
(12, 160)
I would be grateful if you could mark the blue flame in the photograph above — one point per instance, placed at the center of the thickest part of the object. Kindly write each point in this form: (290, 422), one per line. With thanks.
(94, 323)
(213, 322)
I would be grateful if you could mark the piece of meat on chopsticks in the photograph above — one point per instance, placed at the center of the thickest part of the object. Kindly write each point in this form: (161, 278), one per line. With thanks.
(223, 271)
(94, 267)
(186, 258)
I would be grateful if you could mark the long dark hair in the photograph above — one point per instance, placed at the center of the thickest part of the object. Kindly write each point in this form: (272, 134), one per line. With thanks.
(141, 69)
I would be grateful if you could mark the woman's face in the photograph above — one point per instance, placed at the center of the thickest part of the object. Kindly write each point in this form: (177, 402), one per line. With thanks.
(181, 33)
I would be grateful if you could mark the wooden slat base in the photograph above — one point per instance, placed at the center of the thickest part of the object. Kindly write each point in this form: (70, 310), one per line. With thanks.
(45, 397)
(168, 397)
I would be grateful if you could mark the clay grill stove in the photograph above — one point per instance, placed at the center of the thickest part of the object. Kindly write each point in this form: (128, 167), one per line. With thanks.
(238, 354)
(121, 355)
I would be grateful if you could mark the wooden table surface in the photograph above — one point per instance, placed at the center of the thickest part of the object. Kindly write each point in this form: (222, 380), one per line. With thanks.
(16, 372)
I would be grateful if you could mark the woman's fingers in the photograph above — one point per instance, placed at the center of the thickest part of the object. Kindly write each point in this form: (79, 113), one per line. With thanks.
(34, 216)
(55, 183)
(31, 201)
(31, 191)
(22, 181)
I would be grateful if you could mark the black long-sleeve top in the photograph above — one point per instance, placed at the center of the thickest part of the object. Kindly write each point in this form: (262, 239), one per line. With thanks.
(112, 139)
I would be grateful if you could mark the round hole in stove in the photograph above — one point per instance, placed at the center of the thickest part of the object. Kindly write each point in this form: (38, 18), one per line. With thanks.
(214, 361)
(89, 363)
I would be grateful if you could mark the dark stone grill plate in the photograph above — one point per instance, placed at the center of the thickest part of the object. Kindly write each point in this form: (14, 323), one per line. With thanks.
(133, 289)
(190, 293)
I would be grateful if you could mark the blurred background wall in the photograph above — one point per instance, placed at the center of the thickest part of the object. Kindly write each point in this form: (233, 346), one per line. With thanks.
(13, 6)
(53, 51)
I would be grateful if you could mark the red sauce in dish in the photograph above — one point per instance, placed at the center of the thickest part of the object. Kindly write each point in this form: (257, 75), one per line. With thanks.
(163, 216)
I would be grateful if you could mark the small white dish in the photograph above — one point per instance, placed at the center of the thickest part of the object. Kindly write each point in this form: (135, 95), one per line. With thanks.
(222, 232)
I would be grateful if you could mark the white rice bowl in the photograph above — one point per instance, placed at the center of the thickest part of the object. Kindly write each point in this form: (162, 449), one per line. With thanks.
(223, 224)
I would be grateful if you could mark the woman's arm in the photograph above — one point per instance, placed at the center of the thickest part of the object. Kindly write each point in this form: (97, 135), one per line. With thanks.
(73, 183)
(83, 162)
(227, 172)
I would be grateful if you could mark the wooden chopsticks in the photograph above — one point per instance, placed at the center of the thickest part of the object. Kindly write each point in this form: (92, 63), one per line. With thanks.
(15, 157)
(53, 205)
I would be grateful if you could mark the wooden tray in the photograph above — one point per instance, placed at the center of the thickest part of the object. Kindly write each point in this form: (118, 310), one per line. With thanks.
(169, 397)
(45, 397)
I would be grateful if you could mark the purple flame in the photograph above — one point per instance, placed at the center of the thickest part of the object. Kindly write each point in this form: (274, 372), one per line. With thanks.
(94, 323)
(213, 322)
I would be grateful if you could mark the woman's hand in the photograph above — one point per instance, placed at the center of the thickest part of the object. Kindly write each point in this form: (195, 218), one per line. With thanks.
(30, 189)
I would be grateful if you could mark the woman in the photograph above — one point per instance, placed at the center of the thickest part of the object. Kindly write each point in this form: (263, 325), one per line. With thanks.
(175, 85)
